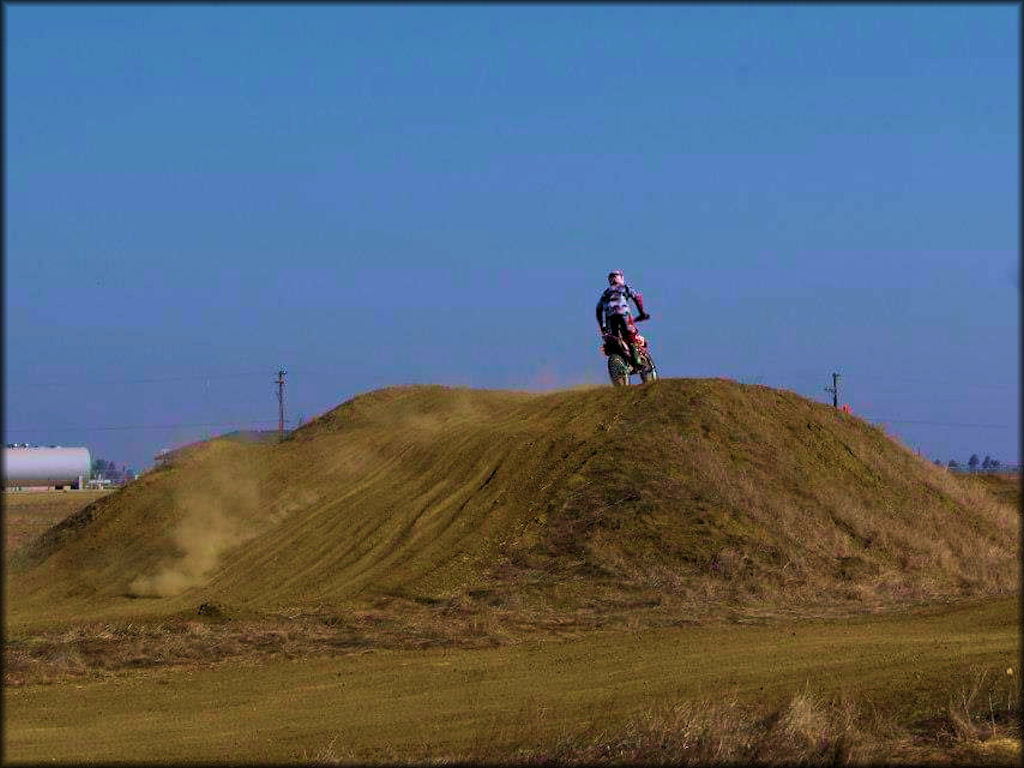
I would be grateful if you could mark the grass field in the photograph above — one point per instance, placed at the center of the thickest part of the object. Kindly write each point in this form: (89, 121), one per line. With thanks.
(888, 686)
(1004, 486)
(695, 571)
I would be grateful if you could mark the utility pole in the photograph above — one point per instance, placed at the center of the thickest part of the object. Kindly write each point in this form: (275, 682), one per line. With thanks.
(280, 404)
(834, 389)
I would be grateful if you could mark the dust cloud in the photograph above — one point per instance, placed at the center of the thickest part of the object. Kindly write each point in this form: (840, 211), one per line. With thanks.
(547, 378)
(215, 515)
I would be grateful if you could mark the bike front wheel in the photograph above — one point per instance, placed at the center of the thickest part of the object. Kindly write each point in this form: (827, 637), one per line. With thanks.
(618, 370)
(648, 372)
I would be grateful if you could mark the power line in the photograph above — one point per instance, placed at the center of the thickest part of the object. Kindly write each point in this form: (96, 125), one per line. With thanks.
(193, 377)
(280, 395)
(806, 374)
(141, 426)
(277, 421)
(330, 370)
(933, 382)
(941, 423)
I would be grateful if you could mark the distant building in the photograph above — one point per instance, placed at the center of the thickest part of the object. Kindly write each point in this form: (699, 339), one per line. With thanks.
(28, 466)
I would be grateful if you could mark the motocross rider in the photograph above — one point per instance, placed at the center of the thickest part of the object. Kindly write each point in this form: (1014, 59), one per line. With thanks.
(613, 314)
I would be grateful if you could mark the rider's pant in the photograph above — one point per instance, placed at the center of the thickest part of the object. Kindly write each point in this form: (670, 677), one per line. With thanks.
(623, 325)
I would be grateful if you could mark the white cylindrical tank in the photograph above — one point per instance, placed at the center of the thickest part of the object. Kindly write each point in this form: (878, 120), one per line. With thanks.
(25, 467)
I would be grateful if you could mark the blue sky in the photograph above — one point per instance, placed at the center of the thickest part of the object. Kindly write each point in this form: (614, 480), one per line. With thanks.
(196, 196)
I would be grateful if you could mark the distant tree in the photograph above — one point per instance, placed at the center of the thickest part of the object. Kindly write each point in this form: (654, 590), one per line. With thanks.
(994, 463)
(938, 462)
(953, 464)
(973, 462)
(107, 470)
(986, 462)
(100, 467)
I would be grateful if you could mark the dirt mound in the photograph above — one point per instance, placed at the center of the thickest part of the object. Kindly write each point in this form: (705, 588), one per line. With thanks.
(683, 499)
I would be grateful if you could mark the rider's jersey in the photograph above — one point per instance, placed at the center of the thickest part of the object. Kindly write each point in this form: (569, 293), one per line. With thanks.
(614, 301)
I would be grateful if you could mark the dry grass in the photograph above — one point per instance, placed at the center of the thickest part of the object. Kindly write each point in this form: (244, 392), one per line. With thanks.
(1006, 487)
(100, 649)
(27, 514)
(765, 499)
(775, 690)
(983, 705)
(466, 513)
(422, 517)
(806, 729)
(210, 637)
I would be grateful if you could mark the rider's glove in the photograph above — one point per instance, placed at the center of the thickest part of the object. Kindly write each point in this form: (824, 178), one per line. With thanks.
(604, 331)
(644, 316)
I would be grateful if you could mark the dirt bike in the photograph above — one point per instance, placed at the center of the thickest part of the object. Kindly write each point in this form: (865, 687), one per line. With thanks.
(620, 365)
